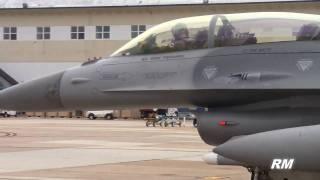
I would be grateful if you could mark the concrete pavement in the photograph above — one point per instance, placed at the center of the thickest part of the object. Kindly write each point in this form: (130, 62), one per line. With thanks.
(67, 149)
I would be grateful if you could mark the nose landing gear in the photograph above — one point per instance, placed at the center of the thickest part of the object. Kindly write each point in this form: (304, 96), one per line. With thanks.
(257, 174)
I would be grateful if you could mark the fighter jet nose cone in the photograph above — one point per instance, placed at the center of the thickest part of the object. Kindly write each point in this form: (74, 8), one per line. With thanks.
(218, 149)
(224, 149)
(37, 95)
(233, 149)
(211, 158)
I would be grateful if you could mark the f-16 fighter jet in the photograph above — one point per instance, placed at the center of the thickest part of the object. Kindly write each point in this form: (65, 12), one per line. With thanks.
(257, 73)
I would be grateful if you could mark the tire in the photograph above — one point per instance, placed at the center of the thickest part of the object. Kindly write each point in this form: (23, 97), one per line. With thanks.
(6, 115)
(147, 124)
(92, 116)
(108, 116)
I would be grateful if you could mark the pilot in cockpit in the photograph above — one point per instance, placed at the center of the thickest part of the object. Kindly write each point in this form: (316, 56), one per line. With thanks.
(225, 35)
(309, 32)
(180, 34)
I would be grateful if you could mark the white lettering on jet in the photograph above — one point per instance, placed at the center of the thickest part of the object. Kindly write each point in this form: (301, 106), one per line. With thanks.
(282, 164)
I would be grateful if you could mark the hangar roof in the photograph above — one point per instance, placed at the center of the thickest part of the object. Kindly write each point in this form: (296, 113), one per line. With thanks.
(7, 4)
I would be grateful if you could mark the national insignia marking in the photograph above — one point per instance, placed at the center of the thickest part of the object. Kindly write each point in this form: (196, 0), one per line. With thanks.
(304, 65)
(209, 72)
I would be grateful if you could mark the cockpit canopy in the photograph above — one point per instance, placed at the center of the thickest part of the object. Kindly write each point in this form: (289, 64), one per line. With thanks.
(211, 31)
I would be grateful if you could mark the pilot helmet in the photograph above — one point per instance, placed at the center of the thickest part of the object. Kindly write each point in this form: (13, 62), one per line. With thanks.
(180, 31)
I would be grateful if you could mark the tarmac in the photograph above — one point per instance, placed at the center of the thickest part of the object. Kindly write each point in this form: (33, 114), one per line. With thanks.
(80, 149)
